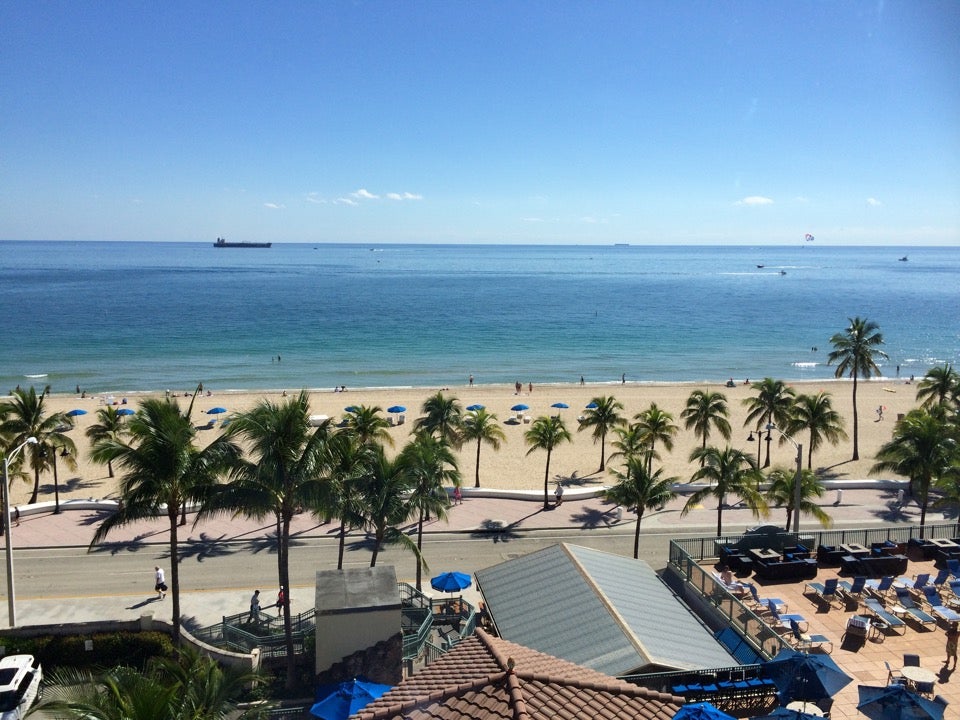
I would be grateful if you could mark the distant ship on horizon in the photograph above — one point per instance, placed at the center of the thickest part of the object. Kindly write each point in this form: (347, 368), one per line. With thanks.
(222, 243)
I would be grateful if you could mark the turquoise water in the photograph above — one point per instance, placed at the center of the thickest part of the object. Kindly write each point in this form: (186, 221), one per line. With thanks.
(149, 316)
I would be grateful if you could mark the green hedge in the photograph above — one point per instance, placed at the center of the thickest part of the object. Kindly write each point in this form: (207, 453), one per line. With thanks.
(109, 649)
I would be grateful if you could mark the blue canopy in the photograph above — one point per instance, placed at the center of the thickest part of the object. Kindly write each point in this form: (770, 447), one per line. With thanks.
(74, 413)
(450, 582)
(783, 713)
(895, 702)
(396, 409)
(591, 405)
(701, 711)
(561, 405)
(474, 408)
(216, 411)
(519, 408)
(350, 408)
(802, 676)
(338, 702)
(124, 411)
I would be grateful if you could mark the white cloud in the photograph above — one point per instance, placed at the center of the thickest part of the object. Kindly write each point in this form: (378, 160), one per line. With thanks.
(873, 202)
(364, 194)
(315, 197)
(533, 220)
(754, 200)
(404, 196)
(346, 201)
(273, 206)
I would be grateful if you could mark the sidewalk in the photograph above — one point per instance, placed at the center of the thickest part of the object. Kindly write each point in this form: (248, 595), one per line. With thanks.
(75, 528)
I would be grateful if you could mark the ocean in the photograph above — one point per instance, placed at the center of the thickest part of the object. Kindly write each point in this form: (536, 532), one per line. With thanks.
(125, 317)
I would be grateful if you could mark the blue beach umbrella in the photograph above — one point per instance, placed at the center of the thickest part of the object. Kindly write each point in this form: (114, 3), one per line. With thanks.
(125, 411)
(350, 408)
(338, 702)
(701, 711)
(396, 409)
(520, 408)
(450, 582)
(474, 408)
(591, 405)
(216, 411)
(74, 413)
(801, 676)
(895, 702)
(560, 405)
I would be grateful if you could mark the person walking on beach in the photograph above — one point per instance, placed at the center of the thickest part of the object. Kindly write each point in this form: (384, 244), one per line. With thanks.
(16, 516)
(160, 582)
(254, 615)
(471, 381)
(623, 379)
(953, 634)
(879, 413)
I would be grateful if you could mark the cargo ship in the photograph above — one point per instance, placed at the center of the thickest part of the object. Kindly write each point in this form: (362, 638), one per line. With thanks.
(222, 243)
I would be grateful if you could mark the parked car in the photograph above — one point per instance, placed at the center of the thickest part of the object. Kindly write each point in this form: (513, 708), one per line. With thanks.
(20, 678)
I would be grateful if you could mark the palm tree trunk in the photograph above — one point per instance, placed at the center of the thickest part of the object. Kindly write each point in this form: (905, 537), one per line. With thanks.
(419, 550)
(36, 485)
(172, 512)
(284, 542)
(720, 518)
(603, 451)
(546, 482)
(377, 540)
(856, 424)
(109, 468)
(477, 481)
(636, 534)
(56, 485)
(343, 537)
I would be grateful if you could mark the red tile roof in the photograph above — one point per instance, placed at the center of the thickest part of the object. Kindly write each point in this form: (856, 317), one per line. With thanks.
(486, 677)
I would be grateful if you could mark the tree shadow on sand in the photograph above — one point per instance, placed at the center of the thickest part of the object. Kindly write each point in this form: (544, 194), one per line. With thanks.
(68, 485)
(497, 530)
(593, 518)
(206, 547)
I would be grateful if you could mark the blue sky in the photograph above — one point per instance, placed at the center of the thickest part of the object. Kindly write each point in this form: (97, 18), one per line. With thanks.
(489, 122)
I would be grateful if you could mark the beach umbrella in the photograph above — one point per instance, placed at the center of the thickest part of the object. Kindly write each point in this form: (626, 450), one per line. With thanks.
(895, 702)
(338, 702)
(125, 411)
(450, 582)
(396, 409)
(216, 411)
(701, 711)
(474, 408)
(591, 405)
(77, 411)
(350, 408)
(802, 676)
(560, 405)
(520, 408)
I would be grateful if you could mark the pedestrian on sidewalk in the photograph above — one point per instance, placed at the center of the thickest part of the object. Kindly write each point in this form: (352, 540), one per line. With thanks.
(953, 634)
(281, 598)
(160, 584)
(558, 493)
(457, 495)
(254, 615)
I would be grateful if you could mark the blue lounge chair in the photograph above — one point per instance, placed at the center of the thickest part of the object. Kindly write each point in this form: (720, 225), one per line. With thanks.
(880, 587)
(761, 604)
(914, 610)
(874, 607)
(806, 642)
(953, 565)
(825, 591)
(916, 583)
(855, 590)
(784, 621)
(941, 577)
(954, 586)
(937, 607)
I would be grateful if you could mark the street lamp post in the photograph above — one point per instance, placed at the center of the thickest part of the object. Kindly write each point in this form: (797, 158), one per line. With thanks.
(11, 601)
(797, 478)
(759, 438)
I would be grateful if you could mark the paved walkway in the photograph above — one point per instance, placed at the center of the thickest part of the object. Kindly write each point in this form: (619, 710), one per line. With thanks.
(75, 528)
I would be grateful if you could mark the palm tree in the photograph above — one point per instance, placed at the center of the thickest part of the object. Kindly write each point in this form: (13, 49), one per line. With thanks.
(350, 461)
(545, 434)
(782, 492)
(111, 426)
(855, 350)
(384, 489)
(705, 410)
(25, 417)
(289, 470)
(368, 425)
(162, 471)
(655, 425)
(637, 487)
(483, 427)
(430, 464)
(630, 441)
(815, 414)
(603, 417)
(939, 386)
(442, 417)
(728, 472)
(923, 449)
(193, 687)
(771, 406)
(48, 456)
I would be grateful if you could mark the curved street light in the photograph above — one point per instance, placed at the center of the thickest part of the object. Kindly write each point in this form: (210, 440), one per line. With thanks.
(797, 479)
(11, 600)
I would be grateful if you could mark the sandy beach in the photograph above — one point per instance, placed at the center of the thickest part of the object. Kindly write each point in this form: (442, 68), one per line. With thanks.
(510, 466)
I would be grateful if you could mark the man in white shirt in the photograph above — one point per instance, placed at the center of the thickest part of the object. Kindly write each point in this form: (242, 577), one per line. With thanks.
(160, 585)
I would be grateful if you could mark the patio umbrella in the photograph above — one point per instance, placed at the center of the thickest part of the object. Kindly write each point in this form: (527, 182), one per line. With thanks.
(74, 413)
(520, 408)
(782, 713)
(591, 406)
(396, 409)
(125, 411)
(701, 711)
(895, 702)
(474, 408)
(560, 405)
(450, 582)
(338, 702)
(350, 408)
(801, 676)
(216, 411)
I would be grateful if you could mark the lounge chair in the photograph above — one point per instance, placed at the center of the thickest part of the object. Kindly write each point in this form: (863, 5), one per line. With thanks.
(913, 610)
(786, 621)
(880, 587)
(941, 577)
(825, 591)
(915, 584)
(954, 586)
(807, 642)
(953, 565)
(738, 589)
(875, 608)
(937, 607)
(758, 603)
(854, 590)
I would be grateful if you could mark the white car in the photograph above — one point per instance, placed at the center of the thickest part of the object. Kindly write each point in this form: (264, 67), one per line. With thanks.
(20, 677)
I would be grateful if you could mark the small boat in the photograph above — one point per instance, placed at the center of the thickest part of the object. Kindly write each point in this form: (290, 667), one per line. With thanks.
(222, 243)
(759, 266)
(903, 259)
(783, 272)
